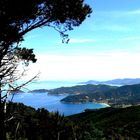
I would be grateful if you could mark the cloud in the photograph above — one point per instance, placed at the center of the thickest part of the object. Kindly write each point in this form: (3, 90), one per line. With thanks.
(33, 36)
(115, 13)
(75, 40)
(127, 38)
(113, 27)
(131, 38)
(98, 66)
(133, 12)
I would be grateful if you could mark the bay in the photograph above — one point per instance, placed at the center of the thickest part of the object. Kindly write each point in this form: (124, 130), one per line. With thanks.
(52, 103)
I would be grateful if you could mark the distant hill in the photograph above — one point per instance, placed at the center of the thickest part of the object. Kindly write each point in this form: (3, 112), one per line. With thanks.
(126, 81)
(17, 91)
(128, 94)
(38, 91)
(81, 89)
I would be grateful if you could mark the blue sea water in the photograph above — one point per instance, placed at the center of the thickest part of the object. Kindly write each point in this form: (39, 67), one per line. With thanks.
(52, 102)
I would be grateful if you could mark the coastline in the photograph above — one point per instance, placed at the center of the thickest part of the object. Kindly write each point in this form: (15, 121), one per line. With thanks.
(105, 104)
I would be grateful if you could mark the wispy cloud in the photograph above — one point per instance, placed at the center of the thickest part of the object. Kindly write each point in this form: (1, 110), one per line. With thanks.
(32, 36)
(116, 20)
(116, 13)
(134, 12)
(75, 40)
(113, 27)
(127, 38)
(131, 38)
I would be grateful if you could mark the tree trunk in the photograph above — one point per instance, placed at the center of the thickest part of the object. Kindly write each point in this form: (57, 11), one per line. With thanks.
(4, 50)
(2, 118)
(2, 115)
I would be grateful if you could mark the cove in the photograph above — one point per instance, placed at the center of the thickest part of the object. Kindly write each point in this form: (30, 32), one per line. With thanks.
(52, 103)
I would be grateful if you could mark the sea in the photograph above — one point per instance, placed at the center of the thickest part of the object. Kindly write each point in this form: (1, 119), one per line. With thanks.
(52, 102)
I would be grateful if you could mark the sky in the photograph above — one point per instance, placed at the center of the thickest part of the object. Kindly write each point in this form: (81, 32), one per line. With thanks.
(106, 45)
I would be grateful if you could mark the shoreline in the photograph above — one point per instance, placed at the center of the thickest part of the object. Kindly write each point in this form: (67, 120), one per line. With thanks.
(105, 104)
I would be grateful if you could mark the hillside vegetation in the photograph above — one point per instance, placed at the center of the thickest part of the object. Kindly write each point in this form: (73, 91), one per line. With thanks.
(102, 124)
(110, 123)
(81, 89)
(128, 94)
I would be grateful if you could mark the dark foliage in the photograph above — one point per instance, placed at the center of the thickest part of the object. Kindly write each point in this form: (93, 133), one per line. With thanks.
(111, 123)
(36, 124)
(102, 124)
(18, 17)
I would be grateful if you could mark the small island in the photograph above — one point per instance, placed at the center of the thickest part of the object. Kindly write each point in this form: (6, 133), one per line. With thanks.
(39, 91)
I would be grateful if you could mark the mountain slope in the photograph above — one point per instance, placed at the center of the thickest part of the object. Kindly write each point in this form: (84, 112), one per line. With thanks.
(81, 89)
(125, 81)
(111, 123)
(129, 94)
(102, 124)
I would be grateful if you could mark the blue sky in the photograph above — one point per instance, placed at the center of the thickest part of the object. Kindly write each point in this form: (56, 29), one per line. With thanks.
(105, 46)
